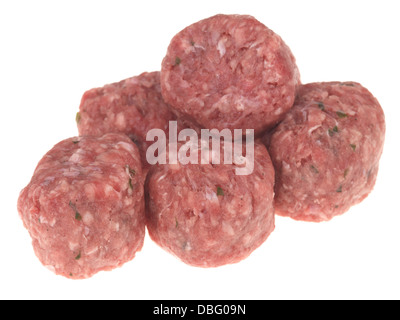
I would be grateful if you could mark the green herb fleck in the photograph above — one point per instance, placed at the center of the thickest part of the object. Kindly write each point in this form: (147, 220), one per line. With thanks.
(77, 214)
(333, 131)
(321, 106)
(176, 223)
(346, 172)
(340, 189)
(78, 257)
(341, 114)
(131, 172)
(192, 43)
(353, 146)
(347, 84)
(314, 169)
(220, 192)
(178, 61)
(78, 117)
(75, 142)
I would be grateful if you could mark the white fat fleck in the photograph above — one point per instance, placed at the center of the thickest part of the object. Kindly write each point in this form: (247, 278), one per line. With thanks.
(132, 81)
(43, 220)
(311, 130)
(109, 190)
(188, 247)
(124, 145)
(221, 47)
(211, 196)
(115, 226)
(197, 46)
(268, 64)
(130, 190)
(128, 201)
(227, 228)
(48, 181)
(120, 121)
(92, 251)
(161, 177)
(64, 186)
(87, 231)
(87, 218)
(239, 105)
(355, 134)
(75, 158)
(215, 35)
(197, 101)
(257, 43)
(246, 240)
(73, 246)
(52, 222)
(300, 147)
(112, 97)
(50, 268)
(286, 167)
(278, 111)
(188, 48)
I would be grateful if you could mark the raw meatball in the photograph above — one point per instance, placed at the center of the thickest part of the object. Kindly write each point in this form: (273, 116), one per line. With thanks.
(229, 71)
(208, 216)
(133, 107)
(84, 207)
(326, 151)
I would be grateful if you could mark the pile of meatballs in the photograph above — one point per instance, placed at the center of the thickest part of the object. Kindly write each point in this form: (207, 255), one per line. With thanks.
(315, 153)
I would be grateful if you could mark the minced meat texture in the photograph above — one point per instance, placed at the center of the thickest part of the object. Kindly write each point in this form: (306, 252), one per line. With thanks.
(326, 151)
(229, 71)
(84, 207)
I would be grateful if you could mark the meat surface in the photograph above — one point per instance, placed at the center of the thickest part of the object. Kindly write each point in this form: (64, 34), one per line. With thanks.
(208, 216)
(84, 207)
(133, 107)
(326, 151)
(229, 71)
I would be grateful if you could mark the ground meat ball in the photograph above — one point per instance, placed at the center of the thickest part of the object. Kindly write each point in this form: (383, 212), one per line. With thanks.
(326, 152)
(206, 215)
(84, 207)
(133, 107)
(229, 71)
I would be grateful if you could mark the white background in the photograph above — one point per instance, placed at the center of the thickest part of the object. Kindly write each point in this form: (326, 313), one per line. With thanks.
(53, 51)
